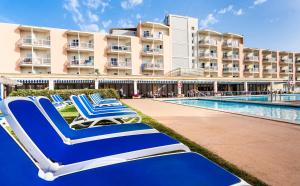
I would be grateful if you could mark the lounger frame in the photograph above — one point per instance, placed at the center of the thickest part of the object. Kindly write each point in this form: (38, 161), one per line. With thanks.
(50, 170)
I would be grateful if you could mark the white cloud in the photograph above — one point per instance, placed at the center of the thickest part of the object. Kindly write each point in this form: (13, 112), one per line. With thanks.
(209, 20)
(238, 12)
(89, 27)
(96, 4)
(125, 23)
(93, 17)
(5, 20)
(226, 9)
(73, 7)
(258, 2)
(84, 13)
(106, 23)
(127, 4)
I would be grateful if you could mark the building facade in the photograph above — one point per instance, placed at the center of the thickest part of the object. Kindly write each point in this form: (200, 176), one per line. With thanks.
(150, 59)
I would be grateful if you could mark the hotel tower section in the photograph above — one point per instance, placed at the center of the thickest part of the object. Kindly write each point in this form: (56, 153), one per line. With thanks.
(151, 59)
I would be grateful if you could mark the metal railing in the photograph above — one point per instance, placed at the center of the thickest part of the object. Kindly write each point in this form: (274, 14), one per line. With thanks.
(36, 42)
(118, 48)
(153, 51)
(152, 66)
(208, 55)
(208, 42)
(252, 70)
(82, 62)
(231, 69)
(35, 61)
(231, 57)
(270, 59)
(251, 58)
(230, 44)
(153, 36)
(81, 45)
(119, 64)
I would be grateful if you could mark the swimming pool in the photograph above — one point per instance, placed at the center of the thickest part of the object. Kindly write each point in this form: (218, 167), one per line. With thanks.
(264, 98)
(276, 112)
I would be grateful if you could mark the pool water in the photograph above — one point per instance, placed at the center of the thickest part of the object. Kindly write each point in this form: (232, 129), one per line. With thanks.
(277, 112)
(264, 98)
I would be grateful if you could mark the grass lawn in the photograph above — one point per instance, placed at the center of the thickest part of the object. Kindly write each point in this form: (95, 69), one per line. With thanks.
(70, 113)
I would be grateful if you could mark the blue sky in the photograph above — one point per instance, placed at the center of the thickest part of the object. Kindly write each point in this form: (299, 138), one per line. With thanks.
(270, 24)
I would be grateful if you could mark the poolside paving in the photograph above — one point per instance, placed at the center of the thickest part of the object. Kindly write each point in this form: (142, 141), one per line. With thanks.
(269, 150)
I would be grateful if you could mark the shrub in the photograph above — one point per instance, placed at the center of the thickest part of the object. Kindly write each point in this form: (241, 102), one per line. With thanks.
(65, 94)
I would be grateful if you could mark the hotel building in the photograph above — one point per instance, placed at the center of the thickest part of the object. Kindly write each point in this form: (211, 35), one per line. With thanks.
(167, 58)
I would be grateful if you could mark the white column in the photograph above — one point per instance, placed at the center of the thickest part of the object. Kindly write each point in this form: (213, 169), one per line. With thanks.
(51, 84)
(96, 84)
(179, 87)
(1, 91)
(272, 86)
(246, 86)
(135, 87)
(215, 87)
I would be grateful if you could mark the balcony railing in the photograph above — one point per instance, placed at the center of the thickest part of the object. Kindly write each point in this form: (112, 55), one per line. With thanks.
(153, 36)
(208, 42)
(251, 58)
(231, 57)
(252, 70)
(211, 69)
(36, 42)
(270, 71)
(81, 63)
(35, 61)
(230, 44)
(208, 55)
(153, 51)
(153, 66)
(81, 45)
(270, 59)
(119, 64)
(231, 69)
(286, 71)
(287, 60)
(119, 48)
(298, 60)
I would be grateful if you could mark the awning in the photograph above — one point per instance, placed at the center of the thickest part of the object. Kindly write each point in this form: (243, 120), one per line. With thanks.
(157, 81)
(74, 81)
(196, 82)
(32, 81)
(114, 81)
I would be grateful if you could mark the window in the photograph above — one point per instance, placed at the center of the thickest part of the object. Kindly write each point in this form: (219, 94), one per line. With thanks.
(146, 33)
(75, 42)
(193, 28)
(114, 61)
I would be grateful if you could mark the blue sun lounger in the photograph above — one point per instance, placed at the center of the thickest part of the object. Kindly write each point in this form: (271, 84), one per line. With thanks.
(56, 158)
(97, 100)
(86, 118)
(17, 169)
(93, 109)
(56, 102)
(61, 100)
(71, 136)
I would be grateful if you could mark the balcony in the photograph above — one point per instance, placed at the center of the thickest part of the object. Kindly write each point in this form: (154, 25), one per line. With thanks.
(119, 65)
(153, 66)
(208, 55)
(150, 52)
(37, 43)
(231, 70)
(83, 46)
(269, 60)
(286, 60)
(83, 63)
(229, 44)
(208, 42)
(157, 36)
(270, 71)
(251, 70)
(298, 61)
(119, 48)
(233, 57)
(211, 69)
(251, 59)
(38, 62)
(286, 71)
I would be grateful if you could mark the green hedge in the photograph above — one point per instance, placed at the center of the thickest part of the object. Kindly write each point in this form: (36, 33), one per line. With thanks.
(106, 93)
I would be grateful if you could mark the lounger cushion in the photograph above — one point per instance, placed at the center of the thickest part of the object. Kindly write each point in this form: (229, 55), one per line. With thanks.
(62, 125)
(48, 141)
(169, 170)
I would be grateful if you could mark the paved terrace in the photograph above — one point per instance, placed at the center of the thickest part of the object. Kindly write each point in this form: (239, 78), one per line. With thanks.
(267, 149)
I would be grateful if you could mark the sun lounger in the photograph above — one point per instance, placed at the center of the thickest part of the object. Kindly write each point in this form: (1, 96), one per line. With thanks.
(85, 117)
(71, 136)
(18, 168)
(56, 158)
